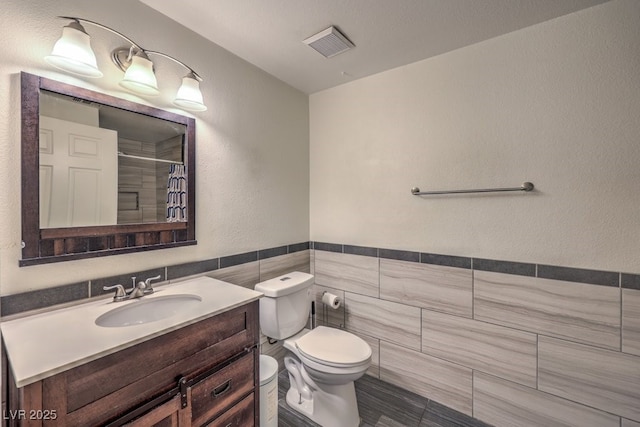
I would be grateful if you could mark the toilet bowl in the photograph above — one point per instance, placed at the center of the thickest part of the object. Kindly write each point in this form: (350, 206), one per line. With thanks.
(322, 363)
(330, 356)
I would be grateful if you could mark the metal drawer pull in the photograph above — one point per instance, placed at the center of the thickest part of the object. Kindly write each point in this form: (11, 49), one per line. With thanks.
(221, 389)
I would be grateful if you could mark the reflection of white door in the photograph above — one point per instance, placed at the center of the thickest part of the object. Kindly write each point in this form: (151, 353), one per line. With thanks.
(78, 174)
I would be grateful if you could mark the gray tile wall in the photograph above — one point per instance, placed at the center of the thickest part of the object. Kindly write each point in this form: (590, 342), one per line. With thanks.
(574, 311)
(435, 287)
(605, 379)
(508, 343)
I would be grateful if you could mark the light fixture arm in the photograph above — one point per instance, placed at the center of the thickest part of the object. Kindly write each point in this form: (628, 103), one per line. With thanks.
(104, 27)
(164, 55)
(133, 44)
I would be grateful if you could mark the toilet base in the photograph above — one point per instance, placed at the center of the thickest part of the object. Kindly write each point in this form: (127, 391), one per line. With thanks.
(329, 406)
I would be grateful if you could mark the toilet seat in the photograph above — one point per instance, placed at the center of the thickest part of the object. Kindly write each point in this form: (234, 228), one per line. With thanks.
(333, 347)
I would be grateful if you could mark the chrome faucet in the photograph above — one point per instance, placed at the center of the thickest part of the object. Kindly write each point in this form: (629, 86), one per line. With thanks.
(137, 291)
(121, 295)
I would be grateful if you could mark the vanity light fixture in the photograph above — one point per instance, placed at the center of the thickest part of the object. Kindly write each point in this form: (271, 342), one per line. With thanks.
(189, 96)
(73, 53)
(139, 76)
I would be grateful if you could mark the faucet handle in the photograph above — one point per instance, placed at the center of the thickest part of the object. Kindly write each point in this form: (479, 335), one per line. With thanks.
(120, 293)
(148, 289)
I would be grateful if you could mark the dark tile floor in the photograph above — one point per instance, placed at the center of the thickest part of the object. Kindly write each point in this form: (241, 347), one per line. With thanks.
(382, 405)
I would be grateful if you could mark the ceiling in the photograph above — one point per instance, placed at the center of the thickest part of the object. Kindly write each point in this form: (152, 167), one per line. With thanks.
(386, 33)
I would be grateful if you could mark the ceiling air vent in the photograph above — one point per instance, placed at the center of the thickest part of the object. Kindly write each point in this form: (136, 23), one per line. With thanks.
(329, 42)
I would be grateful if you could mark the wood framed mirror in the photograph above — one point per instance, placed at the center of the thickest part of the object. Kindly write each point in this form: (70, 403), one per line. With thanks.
(82, 210)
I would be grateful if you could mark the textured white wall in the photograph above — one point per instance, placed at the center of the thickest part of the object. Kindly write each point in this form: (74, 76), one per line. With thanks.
(252, 143)
(557, 104)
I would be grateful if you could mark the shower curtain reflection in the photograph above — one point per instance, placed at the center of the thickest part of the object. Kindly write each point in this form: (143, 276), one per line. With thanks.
(177, 194)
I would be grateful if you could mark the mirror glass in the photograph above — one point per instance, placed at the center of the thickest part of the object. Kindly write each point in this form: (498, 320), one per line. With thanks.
(101, 165)
(102, 175)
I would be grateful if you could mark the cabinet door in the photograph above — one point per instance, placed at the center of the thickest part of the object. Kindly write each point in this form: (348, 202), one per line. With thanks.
(169, 414)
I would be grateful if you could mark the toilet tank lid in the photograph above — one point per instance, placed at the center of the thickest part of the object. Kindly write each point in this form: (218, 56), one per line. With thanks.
(285, 284)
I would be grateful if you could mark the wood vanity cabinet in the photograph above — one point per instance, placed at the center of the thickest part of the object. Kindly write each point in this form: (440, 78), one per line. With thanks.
(202, 374)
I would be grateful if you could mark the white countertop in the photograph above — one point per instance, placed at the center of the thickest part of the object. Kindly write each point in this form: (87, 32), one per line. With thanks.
(46, 344)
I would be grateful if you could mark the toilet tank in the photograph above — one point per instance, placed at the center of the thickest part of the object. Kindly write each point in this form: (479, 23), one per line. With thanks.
(285, 306)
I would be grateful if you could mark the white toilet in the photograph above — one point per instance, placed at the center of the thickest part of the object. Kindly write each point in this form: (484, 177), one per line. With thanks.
(323, 362)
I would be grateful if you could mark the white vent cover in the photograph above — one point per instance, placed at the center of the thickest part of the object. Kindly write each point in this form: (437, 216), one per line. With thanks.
(329, 42)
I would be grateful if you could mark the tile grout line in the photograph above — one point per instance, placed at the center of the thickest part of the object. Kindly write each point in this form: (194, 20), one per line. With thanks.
(473, 388)
(473, 292)
(421, 330)
(537, 361)
(473, 317)
(621, 308)
(378, 251)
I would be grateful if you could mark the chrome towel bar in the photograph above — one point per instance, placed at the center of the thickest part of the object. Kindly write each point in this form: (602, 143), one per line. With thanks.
(526, 186)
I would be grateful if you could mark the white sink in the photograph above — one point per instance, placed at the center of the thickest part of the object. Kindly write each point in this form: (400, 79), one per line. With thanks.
(54, 341)
(148, 309)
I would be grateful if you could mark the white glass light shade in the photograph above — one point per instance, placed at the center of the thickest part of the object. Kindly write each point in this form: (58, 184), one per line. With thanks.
(73, 53)
(140, 78)
(189, 96)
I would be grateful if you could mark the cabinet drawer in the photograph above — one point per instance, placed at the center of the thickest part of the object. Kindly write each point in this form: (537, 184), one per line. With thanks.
(241, 415)
(222, 389)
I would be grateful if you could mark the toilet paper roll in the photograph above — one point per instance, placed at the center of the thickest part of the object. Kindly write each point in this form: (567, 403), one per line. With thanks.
(331, 300)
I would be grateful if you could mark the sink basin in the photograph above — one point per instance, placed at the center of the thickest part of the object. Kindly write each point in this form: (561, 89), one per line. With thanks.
(144, 310)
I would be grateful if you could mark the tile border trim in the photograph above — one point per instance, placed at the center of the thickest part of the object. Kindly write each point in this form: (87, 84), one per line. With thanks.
(43, 298)
(76, 292)
(630, 281)
(543, 271)
(32, 300)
